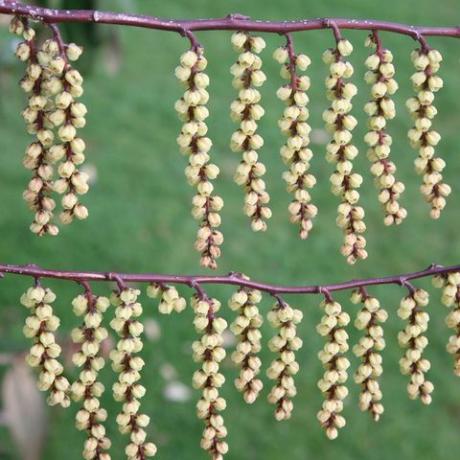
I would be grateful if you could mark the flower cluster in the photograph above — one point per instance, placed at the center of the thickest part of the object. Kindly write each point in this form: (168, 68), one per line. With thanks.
(128, 366)
(37, 157)
(380, 109)
(246, 327)
(193, 142)
(208, 351)
(41, 326)
(67, 116)
(412, 338)
(295, 152)
(341, 151)
(285, 343)
(368, 349)
(52, 116)
(332, 384)
(170, 300)
(422, 137)
(450, 285)
(246, 111)
(87, 387)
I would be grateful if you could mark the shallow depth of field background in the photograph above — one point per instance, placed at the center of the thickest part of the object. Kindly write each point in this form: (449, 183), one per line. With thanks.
(140, 221)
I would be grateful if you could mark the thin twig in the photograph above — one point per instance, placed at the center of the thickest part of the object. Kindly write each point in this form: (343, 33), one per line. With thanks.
(230, 22)
(195, 281)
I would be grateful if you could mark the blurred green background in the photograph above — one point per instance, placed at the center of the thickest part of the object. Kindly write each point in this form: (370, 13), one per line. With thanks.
(140, 221)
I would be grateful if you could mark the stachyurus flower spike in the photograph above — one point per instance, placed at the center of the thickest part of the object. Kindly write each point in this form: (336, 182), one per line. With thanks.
(332, 384)
(41, 326)
(380, 109)
(295, 152)
(53, 116)
(66, 85)
(368, 349)
(282, 370)
(208, 351)
(37, 157)
(128, 366)
(88, 388)
(341, 151)
(193, 142)
(247, 111)
(412, 338)
(450, 285)
(246, 328)
(422, 137)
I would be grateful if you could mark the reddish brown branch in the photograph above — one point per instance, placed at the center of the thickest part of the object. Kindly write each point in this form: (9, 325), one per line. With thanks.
(230, 22)
(196, 281)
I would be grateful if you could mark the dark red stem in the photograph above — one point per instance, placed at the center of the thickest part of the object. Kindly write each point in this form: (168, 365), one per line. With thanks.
(230, 22)
(196, 281)
(292, 61)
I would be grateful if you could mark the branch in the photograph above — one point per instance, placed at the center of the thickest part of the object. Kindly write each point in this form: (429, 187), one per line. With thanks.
(230, 279)
(230, 22)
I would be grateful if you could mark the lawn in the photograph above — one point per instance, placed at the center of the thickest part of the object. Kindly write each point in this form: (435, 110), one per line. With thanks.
(140, 221)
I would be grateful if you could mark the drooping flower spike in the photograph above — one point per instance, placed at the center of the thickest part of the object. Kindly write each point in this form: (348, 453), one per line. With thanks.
(282, 370)
(368, 349)
(380, 109)
(53, 117)
(412, 338)
(450, 285)
(332, 384)
(41, 326)
(295, 152)
(341, 151)
(194, 143)
(246, 328)
(68, 115)
(37, 157)
(247, 111)
(87, 387)
(128, 365)
(422, 136)
(208, 351)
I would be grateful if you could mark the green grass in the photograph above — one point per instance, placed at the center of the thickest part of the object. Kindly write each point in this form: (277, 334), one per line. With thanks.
(140, 221)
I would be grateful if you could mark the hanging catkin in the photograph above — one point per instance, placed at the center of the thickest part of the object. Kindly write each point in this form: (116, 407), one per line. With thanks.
(208, 351)
(295, 152)
(341, 151)
(128, 366)
(412, 338)
(285, 343)
(194, 143)
(332, 384)
(380, 109)
(67, 116)
(246, 110)
(422, 137)
(368, 349)
(450, 285)
(87, 387)
(246, 327)
(37, 156)
(41, 326)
